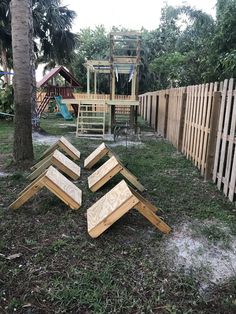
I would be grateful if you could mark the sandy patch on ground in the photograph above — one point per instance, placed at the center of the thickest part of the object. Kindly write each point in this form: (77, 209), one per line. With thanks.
(216, 262)
(44, 139)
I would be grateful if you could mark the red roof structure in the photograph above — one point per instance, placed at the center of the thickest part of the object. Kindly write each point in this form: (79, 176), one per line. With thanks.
(63, 72)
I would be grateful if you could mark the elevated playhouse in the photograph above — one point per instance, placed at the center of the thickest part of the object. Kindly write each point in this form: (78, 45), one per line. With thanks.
(57, 84)
(100, 114)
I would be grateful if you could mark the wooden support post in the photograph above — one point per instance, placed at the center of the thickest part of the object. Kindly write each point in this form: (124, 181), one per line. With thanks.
(88, 81)
(181, 123)
(95, 82)
(213, 135)
(166, 114)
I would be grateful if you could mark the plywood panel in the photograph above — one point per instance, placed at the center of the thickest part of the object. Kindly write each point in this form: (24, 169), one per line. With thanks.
(59, 160)
(104, 173)
(95, 156)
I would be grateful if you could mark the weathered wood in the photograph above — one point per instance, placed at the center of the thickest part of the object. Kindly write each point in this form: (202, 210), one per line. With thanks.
(57, 183)
(107, 171)
(66, 146)
(213, 135)
(115, 204)
(61, 162)
(101, 151)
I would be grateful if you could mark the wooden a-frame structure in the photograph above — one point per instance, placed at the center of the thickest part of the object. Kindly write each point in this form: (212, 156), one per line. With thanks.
(117, 202)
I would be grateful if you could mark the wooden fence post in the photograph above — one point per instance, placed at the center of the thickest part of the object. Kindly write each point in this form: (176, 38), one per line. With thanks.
(211, 149)
(166, 114)
(181, 122)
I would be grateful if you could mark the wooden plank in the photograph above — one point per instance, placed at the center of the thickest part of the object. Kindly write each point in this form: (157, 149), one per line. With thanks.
(181, 122)
(225, 132)
(40, 162)
(132, 179)
(103, 174)
(69, 148)
(39, 170)
(198, 157)
(213, 135)
(207, 126)
(95, 156)
(28, 192)
(203, 117)
(232, 135)
(232, 185)
(152, 217)
(108, 170)
(220, 128)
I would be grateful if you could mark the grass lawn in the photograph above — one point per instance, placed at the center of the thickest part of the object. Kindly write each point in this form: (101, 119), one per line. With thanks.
(132, 267)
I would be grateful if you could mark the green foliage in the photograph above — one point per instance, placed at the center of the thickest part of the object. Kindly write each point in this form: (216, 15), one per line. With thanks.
(7, 100)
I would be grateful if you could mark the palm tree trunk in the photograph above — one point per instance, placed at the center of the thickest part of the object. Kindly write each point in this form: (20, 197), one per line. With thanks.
(21, 12)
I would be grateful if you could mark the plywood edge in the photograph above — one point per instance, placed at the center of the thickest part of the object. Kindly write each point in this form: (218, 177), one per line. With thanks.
(70, 149)
(132, 179)
(39, 170)
(50, 150)
(27, 193)
(66, 165)
(103, 171)
(40, 162)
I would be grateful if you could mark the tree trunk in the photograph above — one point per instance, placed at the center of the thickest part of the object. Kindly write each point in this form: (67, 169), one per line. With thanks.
(4, 65)
(21, 12)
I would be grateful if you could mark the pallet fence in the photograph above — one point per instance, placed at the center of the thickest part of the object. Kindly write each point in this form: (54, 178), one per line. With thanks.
(200, 121)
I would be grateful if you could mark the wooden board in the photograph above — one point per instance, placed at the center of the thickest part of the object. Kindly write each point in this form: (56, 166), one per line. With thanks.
(61, 162)
(107, 171)
(114, 204)
(57, 183)
(95, 156)
(66, 146)
(103, 174)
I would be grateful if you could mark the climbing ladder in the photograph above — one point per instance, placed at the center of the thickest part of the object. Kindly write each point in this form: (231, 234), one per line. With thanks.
(91, 118)
(43, 104)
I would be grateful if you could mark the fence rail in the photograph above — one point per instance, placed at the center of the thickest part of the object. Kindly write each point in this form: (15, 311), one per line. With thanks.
(200, 121)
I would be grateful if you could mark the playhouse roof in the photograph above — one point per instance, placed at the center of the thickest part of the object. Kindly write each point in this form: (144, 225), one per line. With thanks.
(63, 72)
